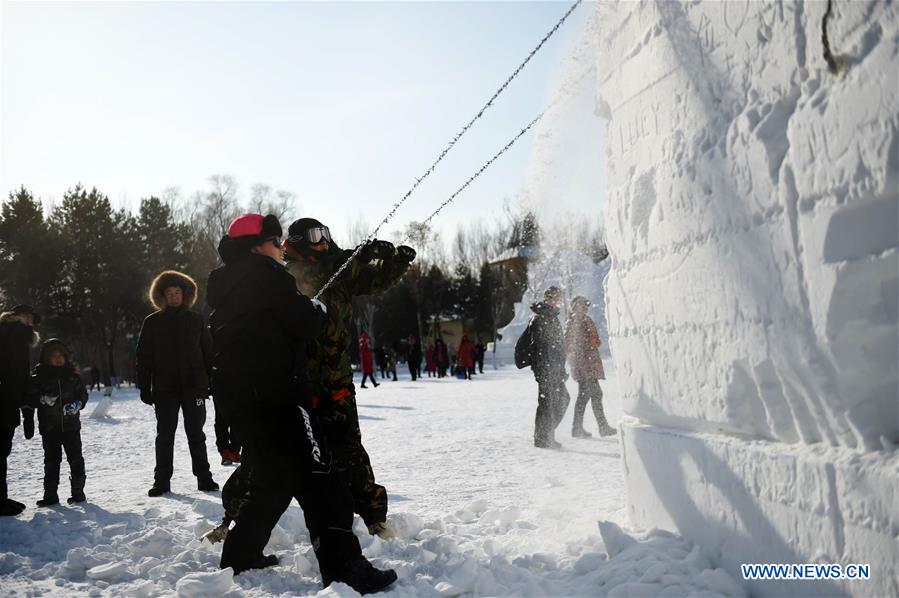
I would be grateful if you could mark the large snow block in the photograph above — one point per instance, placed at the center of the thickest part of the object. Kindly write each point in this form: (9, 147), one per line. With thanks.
(767, 502)
(753, 217)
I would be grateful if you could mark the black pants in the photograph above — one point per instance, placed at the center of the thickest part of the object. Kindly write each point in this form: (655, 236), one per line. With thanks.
(224, 438)
(167, 407)
(53, 444)
(588, 391)
(383, 372)
(372, 376)
(6, 434)
(480, 366)
(274, 476)
(552, 402)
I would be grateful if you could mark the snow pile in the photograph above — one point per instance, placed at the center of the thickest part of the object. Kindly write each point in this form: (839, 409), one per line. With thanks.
(476, 508)
(752, 217)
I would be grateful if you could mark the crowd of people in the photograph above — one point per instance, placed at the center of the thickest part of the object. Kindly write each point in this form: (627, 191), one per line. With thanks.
(277, 365)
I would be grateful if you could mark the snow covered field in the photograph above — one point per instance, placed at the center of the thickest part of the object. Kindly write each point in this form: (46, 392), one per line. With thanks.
(480, 511)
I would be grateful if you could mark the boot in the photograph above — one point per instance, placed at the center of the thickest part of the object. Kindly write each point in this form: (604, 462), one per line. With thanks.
(226, 457)
(10, 508)
(158, 489)
(267, 560)
(582, 433)
(77, 489)
(607, 430)
(360, 575)
(51, 483)
(207, 485)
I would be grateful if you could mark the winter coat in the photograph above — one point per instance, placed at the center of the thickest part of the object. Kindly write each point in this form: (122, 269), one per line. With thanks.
(430, 364)
(330, 369)
(414, 355)
(174, 353)
(260, 325)
(16, 340)
(50, 389)
(366, 356)
(480, 350)
(582, 347)
(466, 354)
(440, 355)
(547, 344)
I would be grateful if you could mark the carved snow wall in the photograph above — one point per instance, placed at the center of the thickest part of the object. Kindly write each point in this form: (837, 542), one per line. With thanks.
(753, 304)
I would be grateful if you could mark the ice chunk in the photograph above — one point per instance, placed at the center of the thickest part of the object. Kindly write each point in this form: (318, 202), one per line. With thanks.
(212, 583)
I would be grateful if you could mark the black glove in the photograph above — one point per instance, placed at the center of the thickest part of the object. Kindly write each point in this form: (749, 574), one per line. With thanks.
(377, 250)
(28, 423)
(146, 396)
(405, 253)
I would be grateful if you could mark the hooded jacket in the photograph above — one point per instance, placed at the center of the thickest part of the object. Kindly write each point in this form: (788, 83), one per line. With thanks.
(174, 351)
(547, 343)
(16, 340)
(51, 388)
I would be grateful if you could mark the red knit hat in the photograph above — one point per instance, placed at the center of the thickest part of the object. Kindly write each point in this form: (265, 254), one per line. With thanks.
(255, 225)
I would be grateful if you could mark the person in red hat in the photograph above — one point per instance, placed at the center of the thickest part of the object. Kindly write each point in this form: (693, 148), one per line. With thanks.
(260, 327)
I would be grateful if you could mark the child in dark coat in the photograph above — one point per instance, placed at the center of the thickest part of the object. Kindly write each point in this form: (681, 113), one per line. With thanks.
(58, 393)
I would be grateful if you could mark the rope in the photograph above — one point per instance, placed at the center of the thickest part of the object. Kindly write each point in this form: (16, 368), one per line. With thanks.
(448, 147)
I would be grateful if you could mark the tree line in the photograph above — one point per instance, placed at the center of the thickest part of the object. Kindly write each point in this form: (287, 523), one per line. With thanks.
(86, 267)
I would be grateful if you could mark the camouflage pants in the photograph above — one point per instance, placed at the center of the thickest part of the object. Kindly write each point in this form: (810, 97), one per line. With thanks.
(340, 421)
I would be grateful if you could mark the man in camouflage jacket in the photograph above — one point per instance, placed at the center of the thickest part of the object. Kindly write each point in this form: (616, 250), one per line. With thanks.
(312, 257)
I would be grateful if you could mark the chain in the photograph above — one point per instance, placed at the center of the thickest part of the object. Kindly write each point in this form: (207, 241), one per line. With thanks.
(447, 149)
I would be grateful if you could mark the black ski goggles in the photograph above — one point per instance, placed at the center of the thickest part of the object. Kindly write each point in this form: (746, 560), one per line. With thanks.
(314, 236)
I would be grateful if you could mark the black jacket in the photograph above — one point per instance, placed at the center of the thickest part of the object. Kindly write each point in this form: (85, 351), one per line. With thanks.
(174, 353)
(49, 391)
(260, 325)
(547, 344)
(16, 340)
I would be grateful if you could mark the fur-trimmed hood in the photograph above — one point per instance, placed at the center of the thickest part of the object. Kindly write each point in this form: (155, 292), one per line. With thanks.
(9, 316)
(172, 278)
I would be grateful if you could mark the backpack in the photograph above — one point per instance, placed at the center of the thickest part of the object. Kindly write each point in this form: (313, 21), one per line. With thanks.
(523, 356)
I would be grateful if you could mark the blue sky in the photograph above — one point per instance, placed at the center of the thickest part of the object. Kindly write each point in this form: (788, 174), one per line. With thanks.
(341, 103)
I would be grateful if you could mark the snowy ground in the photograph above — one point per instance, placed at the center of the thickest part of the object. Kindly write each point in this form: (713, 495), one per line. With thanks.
(480, 510)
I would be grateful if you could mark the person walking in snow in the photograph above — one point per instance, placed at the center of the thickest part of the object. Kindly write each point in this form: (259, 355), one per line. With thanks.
(58, 394)
(313, 258)
(547, 351)
(430, 365)
(441, 357)
(466, 356)
(582, 347)
(381, 361)
(17, 337)
(366, 360)
(391, 362)
(414, 358)
(95, 377)
(174, 360)
(260, 326)
(480, 351)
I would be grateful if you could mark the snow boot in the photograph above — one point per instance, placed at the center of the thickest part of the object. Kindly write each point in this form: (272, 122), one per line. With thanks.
(268, 560)
(607, 430)
(77, 489)
(582, 433)
(51, 483)
(226, 458)
(207, 485)
(382, 530)
(10, 508)
(360, 575)
(159, 489)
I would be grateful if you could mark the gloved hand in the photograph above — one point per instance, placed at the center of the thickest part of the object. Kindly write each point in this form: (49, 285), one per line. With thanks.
(405, 253)
(71, 408)
(146, 397)
(377, 250)
(320, 305)
(28, 423)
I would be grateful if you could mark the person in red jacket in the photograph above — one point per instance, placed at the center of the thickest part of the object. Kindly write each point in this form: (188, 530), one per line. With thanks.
(466, 356)
(366, 357)
(582, 346)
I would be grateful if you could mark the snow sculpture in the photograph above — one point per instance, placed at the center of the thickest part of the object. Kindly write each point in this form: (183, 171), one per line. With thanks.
(753, 217)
